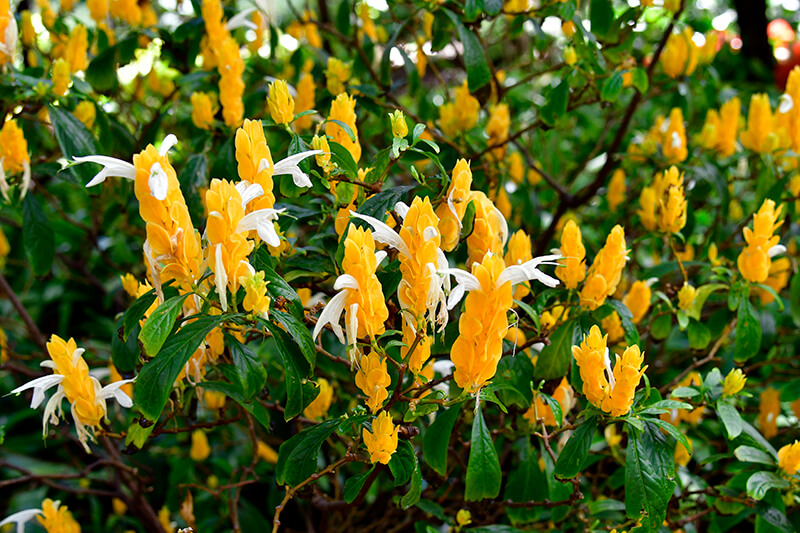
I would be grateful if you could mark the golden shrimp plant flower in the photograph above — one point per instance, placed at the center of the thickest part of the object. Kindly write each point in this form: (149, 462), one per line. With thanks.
(8, 32)
(489, 228)
(381, 442)
(360, 293)
(789, 458)
(317, 409)
(343, 109)
(606, 271)
(758, 136)
(616, 190)
(14, 157)
(637, 300)
(280, 102)
(519, 251)
(421, 291)
(204, 107)
(452, 211)
(483, 324)
(573, 267)
(674, 147)
(734, 382)
(755, 260)
(769, 407)
(611, 390)
(87, 398)
(373, 380)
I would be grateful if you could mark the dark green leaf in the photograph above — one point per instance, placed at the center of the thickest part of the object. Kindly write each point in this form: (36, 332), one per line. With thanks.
(37, 234)
(478, 73)
(74, 140)
(794, 300)
(601, 15)
(297, 457)
(354, 484)
(640, 80)
(748, 332)
(155, 381)
(251, 372)
(556, 105)
(136, 312)
(759, 483)
(411, 498)
(124, 354)
(730, 418)
(576, 451)
(403, 463)
(376, 206)
(299, 333)
(437, 439)
(483, 468)
(699, 335)
(554, 358)
(673, 431)
(749, 454)
(649, 477)
(234, 392)
(157, 327)
(626, 318)
(661, 327)
(611, 88)
(296, 370)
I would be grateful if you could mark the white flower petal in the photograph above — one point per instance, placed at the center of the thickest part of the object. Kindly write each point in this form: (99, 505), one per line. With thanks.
(289, 166)
(331, 314)
(785, 103)
(53, 405)
(39, 386)
(401, 209)
(158, 182)
(262, 221)
(26, 179)
(221, 278)
(241, 20)
(21, 517)
(4, 186)
(380, 255)
(114, 391)
(168, 142)
(503, 225)
(113, 167)
(382, 233)
(612, 381)
(263, 165)
(429, 233)
(249, 191)
(346, 281)
(776, 250)
(455, 296)
(529, 271)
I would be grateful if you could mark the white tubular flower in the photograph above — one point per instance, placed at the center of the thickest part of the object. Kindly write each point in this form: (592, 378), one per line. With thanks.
(382, 233)
(289, 166)
(168, 142)
(112, 167)
(21, 518)
(785, 103)
(158, 182)
(26, 179)
(249, 191)
(778, 249)
(332, 312)
(241, 19)
(221, 278)
(513, 274)
(262, 221)
(4, 186)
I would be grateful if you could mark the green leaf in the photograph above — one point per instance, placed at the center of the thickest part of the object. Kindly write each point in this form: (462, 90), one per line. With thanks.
(37, 236)
(298, 456)
(74, 140)
(478, 73)
(626, 318)
(558, 413)
(137, 435)
(403, 463)
(299, 333)
(640, 80)
(468, 220)
(576, 450)
(794, 300)
(343, 159)
(750, 454)
(157, 327)
(773, 517)
(748, 332)
(611, 88)
(296, 370)
(277, 286)
(685, 392)
(157, 377)
(601, 15)
(649, 477)
(376, 206)
(343, 19)
(411, 498)
(102, 70)
(673, 431)
(556, 105)
(699, 335)
(354, 484)
(759, 483)
(700, 297)
(124, 354)
(437, 439)
(136, 312)
(554, 358)
(730, 417)
(251, 372)
(234, 391)
(527, 482)
(483, 468)
(661, 327)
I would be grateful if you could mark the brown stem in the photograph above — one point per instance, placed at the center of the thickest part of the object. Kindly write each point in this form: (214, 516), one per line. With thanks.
(33, 329)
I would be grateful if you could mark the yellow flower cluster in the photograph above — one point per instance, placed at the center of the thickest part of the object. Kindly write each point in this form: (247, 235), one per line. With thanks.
(663, 204)
(674, 142)
(611, 391)
(489, 229)
(204, 107)
(343, 109)
(759, 135)
(789, 458)
(172, 249)
(452, 211)
(13, 148)
(769, 407)
(57, 518)
(680, 55)
(306, 28)
(361, 263)
(381, 442)
(305, 101)
(86, 113)
(422, 239)
(256, 300)
(606, 270)
(60, 76)
(337, 74)
(637, 300)
(255, 163)
(734, 382)
(460, 115)
(497, 130)
(616, 190)
(573, 267)
(481, 327)
(225, 54)
(78, 44)
(720, 129)
(755, 260)
(280, 102)
(373, 380)
(519, 251)
(8, 26)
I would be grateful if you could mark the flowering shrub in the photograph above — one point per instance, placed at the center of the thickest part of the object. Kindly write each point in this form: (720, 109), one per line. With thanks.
(424, 266)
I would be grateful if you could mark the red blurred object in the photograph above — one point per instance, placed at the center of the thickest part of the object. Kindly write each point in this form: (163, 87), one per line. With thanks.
(781, 31)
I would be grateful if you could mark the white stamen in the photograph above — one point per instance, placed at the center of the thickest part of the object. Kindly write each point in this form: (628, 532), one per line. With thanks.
(168, 142)
(158, 182)
(289, 166)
